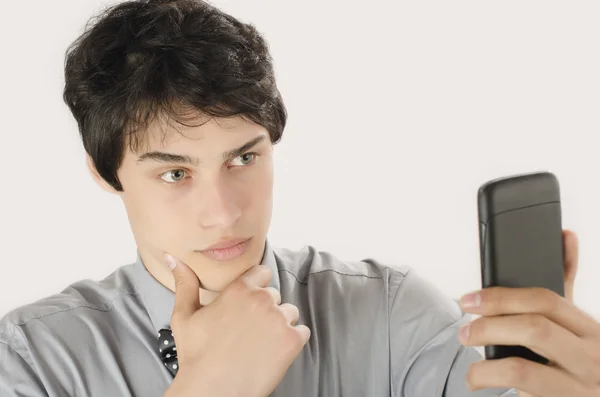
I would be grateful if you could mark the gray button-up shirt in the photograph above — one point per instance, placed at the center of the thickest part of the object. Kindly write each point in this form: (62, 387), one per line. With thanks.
(377, 331)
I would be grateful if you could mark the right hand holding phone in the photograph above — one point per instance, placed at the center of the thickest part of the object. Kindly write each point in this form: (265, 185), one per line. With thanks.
(242, 343)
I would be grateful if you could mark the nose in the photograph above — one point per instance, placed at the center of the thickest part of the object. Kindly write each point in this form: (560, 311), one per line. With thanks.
(218, 208)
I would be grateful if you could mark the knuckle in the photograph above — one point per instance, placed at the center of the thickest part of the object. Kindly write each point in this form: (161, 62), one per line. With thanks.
(593, 369)
(494, 298)
(289, 306)
(295, 311)
(176, 320)
(262, 298)
(278, 320)
(292, 338)
(540, 329)
(238, 288)
(288, 312)
(478, 327)
(550, 300)
(180, 281)
(267, 270)
(274, 293)
(594, 353)
(179, 323)
(589, 376)
(517, 371)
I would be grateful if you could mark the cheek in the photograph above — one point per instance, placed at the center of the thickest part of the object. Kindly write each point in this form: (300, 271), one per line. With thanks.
(153, 217)
(257, 191)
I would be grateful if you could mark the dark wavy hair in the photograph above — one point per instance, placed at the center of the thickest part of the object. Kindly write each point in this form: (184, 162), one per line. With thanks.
(140, 60)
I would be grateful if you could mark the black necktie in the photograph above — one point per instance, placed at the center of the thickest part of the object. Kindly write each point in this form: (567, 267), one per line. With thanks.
(167, 350)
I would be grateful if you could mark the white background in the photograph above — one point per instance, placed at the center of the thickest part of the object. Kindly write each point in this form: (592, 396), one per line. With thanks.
(398, 112)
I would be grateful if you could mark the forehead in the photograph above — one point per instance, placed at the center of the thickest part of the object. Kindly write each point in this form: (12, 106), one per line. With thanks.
(165, 131)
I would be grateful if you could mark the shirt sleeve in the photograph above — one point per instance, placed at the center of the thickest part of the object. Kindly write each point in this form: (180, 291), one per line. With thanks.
(17, 377)
(427, 358)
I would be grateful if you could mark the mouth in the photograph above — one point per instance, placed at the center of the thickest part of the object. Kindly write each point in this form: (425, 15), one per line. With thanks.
(226, 250)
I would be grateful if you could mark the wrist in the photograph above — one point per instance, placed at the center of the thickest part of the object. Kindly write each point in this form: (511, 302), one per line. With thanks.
(183, 386)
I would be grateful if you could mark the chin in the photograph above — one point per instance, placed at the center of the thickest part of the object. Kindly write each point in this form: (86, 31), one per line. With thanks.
(215, 280)
(216, 274)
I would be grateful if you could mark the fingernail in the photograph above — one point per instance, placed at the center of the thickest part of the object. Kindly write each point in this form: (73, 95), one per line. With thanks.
(464, 332)
(172, 262)
(468, 385)
(471, 300)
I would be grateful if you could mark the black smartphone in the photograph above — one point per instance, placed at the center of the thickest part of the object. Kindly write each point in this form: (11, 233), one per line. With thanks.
(521, 244)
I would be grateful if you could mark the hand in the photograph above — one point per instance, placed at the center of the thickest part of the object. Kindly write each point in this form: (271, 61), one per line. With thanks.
(544, 322)
(242, 343)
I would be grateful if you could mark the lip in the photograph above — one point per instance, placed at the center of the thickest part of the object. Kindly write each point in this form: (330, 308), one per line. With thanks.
(224, 244)
(228, 250)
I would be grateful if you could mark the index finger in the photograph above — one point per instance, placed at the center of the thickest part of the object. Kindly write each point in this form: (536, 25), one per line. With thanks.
(497, 301)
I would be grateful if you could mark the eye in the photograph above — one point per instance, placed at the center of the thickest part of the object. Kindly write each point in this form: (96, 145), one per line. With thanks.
(173, 176)
(245, 159)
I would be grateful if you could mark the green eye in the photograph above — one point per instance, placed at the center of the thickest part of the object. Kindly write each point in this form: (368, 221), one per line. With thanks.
(173, 176)
(245, 159)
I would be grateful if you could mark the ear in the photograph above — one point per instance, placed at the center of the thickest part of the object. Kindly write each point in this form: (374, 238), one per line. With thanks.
(97, 178)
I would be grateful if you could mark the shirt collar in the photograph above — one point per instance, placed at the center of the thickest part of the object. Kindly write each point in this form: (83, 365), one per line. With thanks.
(159, 300)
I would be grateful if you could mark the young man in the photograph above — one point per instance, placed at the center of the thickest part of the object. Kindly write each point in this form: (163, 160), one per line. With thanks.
(178, 111)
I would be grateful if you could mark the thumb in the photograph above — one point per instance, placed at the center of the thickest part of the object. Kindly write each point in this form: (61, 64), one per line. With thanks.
(571, 255)
(187, 289)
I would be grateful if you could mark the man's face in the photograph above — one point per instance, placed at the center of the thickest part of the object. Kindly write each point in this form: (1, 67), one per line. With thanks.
(183, 206)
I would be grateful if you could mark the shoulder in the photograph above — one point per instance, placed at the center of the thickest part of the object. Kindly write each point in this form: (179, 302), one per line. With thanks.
(408, 292)
(419, 296)
(79, 299)
(309, 263)
(396, 298)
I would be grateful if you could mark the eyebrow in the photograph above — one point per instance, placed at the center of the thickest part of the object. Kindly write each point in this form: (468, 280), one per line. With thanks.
(163, 157)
